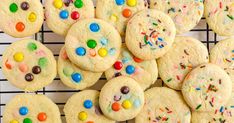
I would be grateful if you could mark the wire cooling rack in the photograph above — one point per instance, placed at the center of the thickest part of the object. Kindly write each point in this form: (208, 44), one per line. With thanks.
(57, 91)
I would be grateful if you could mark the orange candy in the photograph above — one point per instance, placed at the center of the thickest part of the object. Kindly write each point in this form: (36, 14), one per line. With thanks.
(127, 13)
(115, 106)
(138, 60)
(90, 122)
(8, 65)
(20, 27)
(42, 116)
(92, 52)
(23, 68)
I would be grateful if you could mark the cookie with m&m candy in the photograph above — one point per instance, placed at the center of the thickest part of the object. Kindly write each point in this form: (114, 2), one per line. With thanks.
(31, 108)
(72, 76)
(93, 45)
(29, 65)
(83, 107)
(62, 14)
(118, 12)
(21, 18)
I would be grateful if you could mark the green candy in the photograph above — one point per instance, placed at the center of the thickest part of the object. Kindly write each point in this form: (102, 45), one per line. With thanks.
(27, 120)
(32, 46)
(13, 7)
(78, 3)
(43, 62)
(91, 43)
(67, 71)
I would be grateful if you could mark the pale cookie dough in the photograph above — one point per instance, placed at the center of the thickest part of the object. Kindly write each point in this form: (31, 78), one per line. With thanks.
(150, 34)
(222, 54)
(186, 14)
(29, 65)
(207, 87)
(121, 98)
(62, 14)
(93, 45)
(185, 54)
(224, 114)
(164, 105)
(118, 12)
(27, 108)
(21, 18)
(144, 72)
(220, 16)
(72, 76)
(83, 107)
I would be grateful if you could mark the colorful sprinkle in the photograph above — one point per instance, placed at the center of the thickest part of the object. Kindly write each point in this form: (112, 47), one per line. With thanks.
(102, 52)
(18, 57)
(94, 27)
(91, 43)
(27, 120)
(58, 4)
(80, 51)
(83, 116)
(75, 15)
(64, 14)
(25, 6)
(115, 106)
(130, 69)
(119, 2)
(23, 110)
(127, 13)
(42, 116)
(118, 65)
(88, 104)
(230, 17)
(169, 80)
(32, 17)
(20, 27)
(29, 77)
(32, 46)
(42, 62)
(78, 3)
(13, 7)
(199, 106)
(76, 77)
(127, 104)
(125, 90)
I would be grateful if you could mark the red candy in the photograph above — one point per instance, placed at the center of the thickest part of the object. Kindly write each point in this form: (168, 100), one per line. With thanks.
(42, 116)
(118, 65)
(75, 15)
(115, 106)
(20, 27)
(138, 60)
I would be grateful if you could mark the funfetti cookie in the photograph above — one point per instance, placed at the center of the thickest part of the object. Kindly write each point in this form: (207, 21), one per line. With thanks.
(118, 12)
(28, 65)
(185, 13)
(93, 44)
(222, 54)
(220, 16)
(186, 53)
(61, 14)
(21, 18)
(121, 98)
(26, 108)
(207, 88)
(144, 72)
(163, 105)
(72, 76)
(83, 107)
(150, 34)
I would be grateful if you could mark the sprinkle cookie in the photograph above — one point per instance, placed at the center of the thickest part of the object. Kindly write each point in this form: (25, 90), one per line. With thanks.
(21, 18)
(220, 16)
(144, 72)
(186, 14)
(118, 12)
(28, 65)
(83, 107)
(163, 105)
(185, 54)
(150, 34)
(61, 14)
(206, 88)
(121, 95)
(26, 108)
(72, 76)
(93, 45)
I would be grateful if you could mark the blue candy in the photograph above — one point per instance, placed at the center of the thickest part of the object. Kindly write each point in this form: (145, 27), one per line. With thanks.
(76, 77)
(130, 69)
(88, 104)
(94, 27)
(119, 2)
(23, 110)
(80, 51)
(64, 14)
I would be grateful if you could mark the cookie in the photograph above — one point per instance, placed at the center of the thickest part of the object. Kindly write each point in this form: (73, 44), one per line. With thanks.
(150, 34)
(27, 108)
(62, 14)
(222, 54)
(72, 76)
(220, 16)
(144, 72)
(186, 14)
(121, 95)
(21, 18)
(83, 107)
(185, 54)
(29, 65)
(118, 12)
(161, 107)
(207, 88)
(93, 45)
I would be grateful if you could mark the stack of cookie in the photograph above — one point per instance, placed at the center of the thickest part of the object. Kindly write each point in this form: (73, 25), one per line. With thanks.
(93, 46)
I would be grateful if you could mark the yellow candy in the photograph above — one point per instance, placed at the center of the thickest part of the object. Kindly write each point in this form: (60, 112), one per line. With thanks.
(113, 17)
(19, 56)
(32, 17)
(58, 4)
(83, 116)
(127, 104)
(14, 121)
(131, 3)
(102, 52)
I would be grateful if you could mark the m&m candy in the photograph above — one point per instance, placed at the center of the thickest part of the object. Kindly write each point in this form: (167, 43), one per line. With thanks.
(58, 4)
(42, 116)
(18, 57)
(118, 65)
(25, 6)
(64, 14)
(80, 51)
(127, 104)
(36, 69)
(29, 77)
(78, 3)
(23, 110)
(88, 104)
(119, 2)
(20, 26)
(130, 69)
(14, 121)
(91, 43)
(13, 7)
(32, 46)
(42, 62)
(131, 3)
(75, 15)
(32, 17)
(102, 52)
(83, 116)
(76, 77)
(124, 90)
(115, 106)
(27, 120)
(127, 13)
(94, 27)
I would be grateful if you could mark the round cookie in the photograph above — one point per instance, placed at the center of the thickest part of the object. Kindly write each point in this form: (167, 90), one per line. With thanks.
(83, 107)
(220, 16)
(164, 105)
(118, 12)
(144, 72)
(62, 14)
(21, 18)
(186, 14)
(93, 45)
(121, 95)
(150, 34)
(27, 108)
(206, 88)
(29, 65)
(185, 54)
(222, 54)
(72, 76)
